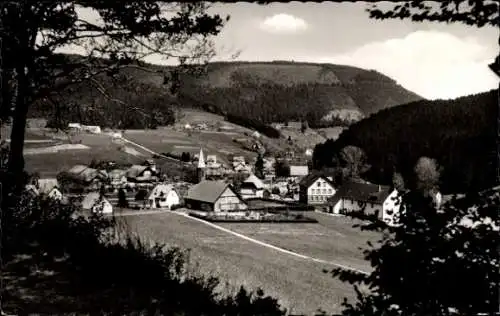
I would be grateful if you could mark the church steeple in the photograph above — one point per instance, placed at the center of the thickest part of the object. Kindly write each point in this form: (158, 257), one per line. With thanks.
(201, 166)
(201, 160)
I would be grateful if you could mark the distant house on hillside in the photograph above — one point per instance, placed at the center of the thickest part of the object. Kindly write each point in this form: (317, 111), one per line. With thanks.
(315, 189)
(294, 125)
(308, 152)
(92, 129)
(299, 170)
(371, 198)
(214, 196)
(252, 187)
(163, 196)
(96, 204)
(141, 174)
(90, 178)
(75, 126)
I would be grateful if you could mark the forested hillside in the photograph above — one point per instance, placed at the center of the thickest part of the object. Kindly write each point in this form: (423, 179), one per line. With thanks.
(460, 134)
(260, 91)
(281, 91)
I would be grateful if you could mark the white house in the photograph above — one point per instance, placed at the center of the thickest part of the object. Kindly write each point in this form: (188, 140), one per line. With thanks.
(76, 126)
(50, 188)
(315, 189)
(92, 129)
(117, 177)
(309, 152)
(97, 204)
(299, 171)
(163, 196)
(252, 187)
(187, 126)
(256, 134)
(371, 198)
(242, 168)
(116, 135)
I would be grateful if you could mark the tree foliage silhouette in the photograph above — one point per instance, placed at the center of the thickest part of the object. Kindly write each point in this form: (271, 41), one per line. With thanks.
(440, 261)
(259, 167)
(124, 32)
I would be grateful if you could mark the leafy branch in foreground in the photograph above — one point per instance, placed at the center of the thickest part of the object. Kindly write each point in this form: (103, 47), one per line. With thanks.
(123, 32)
(440, 261)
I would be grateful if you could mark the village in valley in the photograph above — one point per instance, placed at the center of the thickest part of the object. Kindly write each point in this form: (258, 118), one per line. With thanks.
(277, 159)
(242, 189)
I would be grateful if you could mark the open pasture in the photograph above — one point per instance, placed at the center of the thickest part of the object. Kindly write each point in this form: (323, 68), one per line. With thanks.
(101, 147)
(335, 241)
(160, 140)
(301, 285)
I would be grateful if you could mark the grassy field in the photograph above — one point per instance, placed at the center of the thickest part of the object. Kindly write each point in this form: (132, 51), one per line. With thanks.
(301, 285)
(49, 165)
(332, 239)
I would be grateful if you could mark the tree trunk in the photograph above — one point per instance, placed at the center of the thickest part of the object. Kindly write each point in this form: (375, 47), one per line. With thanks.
(6, 93)
(16, 160)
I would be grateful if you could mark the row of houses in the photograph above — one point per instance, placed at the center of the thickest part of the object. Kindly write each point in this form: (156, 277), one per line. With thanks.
(160, 196)
(92, 179)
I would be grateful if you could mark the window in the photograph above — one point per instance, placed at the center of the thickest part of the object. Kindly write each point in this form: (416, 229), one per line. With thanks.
(323, 191)
(319, 183)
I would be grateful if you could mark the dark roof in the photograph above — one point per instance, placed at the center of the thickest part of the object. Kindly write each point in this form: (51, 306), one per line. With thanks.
(312, 177)
(362, 192)
(207, 191)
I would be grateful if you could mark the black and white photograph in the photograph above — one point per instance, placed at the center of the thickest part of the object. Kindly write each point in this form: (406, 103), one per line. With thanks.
(249, 158)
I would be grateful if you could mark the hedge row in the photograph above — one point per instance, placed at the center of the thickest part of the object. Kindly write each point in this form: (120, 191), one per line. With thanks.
(298, 219)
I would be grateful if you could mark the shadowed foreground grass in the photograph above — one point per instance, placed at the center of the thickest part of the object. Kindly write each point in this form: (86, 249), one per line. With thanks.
(57, 263)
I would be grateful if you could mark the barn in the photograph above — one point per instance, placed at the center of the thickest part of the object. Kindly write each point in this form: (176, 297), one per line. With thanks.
(214, 196)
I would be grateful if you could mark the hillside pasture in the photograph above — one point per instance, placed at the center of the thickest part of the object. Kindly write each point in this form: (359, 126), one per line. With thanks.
(50, 164)
(301, 285)
(305, 140)
(331, 132)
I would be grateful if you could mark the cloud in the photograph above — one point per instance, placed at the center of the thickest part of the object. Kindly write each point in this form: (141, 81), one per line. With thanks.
(434, 64)
(283, 23)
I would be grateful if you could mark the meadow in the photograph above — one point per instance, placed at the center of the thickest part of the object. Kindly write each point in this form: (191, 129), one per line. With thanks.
(301, 285)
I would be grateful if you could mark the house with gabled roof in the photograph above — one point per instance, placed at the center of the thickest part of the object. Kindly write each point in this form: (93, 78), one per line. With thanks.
(316, 189)
(96, 203)
(140, 173)
(49, 187)
(117, 177)
(163, 196)
(89, 177)
(252, 187)
(214, 196)
(371, 198)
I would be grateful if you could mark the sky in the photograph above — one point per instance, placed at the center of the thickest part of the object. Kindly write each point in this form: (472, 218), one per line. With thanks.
(434, 60)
